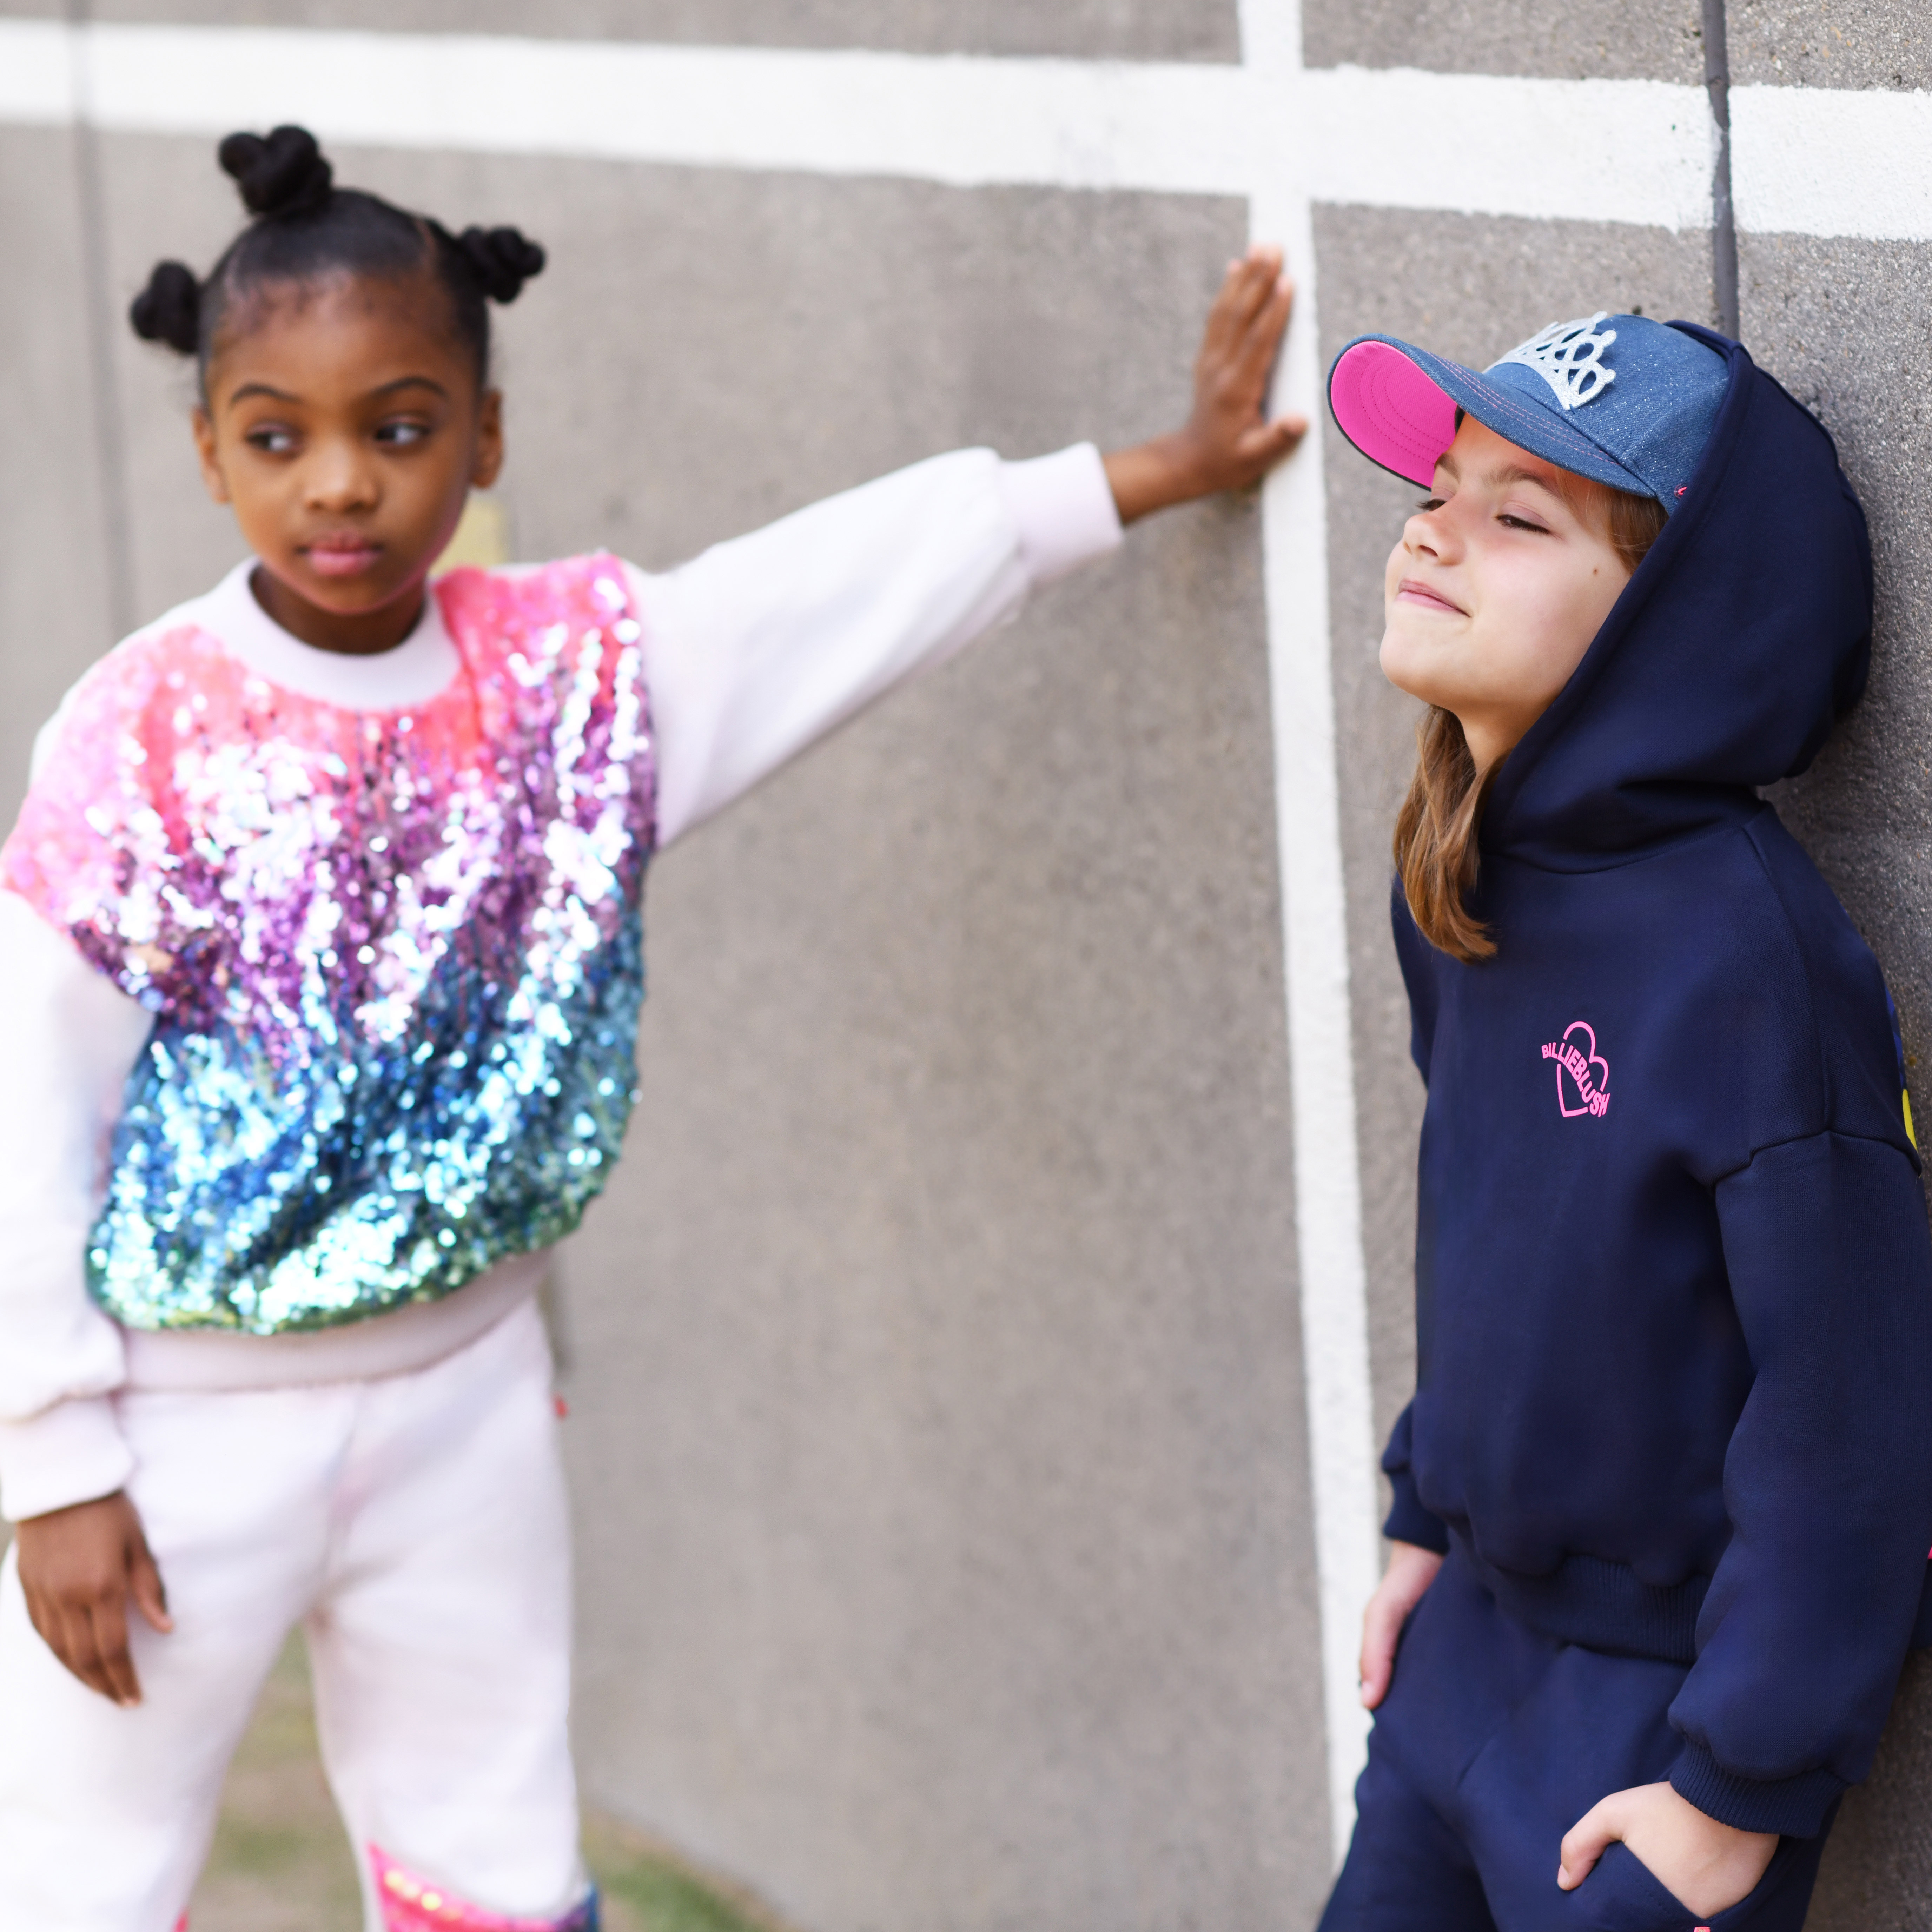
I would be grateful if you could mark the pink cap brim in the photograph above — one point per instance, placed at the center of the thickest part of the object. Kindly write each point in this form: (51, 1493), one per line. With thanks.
(1391, 411)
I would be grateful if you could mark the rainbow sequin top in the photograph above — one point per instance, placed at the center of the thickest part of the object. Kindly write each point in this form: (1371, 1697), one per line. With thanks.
(394, 958)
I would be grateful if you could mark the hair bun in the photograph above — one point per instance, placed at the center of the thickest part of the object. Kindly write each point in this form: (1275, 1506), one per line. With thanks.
(504, 259)
(169, 309)
(283, 173)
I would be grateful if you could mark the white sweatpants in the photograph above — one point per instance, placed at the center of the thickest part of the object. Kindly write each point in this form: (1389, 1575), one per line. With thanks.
(416, 1528)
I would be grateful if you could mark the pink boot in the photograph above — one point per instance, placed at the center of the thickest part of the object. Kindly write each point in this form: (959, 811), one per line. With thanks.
(410, 1904)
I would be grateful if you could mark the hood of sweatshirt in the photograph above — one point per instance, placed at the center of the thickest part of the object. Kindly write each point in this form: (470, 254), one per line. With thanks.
(1739, 641)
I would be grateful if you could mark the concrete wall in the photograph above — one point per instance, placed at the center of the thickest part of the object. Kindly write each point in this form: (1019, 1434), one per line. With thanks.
(945, 1511)
(1088, 29)
(52, 620)
(1836, 321)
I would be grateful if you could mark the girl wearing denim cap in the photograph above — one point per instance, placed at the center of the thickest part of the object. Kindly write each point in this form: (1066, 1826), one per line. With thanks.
(1662, 1498)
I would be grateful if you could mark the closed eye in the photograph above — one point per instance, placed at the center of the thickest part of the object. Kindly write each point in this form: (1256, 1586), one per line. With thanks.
(1429, 503)
(1523, 523)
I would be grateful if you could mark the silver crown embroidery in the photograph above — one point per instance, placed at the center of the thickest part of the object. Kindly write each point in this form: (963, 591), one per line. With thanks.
(1569, 356)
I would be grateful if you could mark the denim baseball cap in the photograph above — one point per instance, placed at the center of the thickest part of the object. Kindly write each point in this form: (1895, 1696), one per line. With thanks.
(1618, 398)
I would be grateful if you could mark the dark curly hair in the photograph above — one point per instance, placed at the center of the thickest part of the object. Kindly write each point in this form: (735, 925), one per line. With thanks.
(305, 228)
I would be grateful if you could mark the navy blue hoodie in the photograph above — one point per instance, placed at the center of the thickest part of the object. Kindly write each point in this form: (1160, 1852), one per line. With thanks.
(1673, 1282)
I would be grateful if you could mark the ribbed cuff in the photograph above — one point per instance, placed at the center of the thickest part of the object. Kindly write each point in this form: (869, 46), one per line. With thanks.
(1064, 507)
(1409, 1522)
(1793, 1807)
(72, 1453)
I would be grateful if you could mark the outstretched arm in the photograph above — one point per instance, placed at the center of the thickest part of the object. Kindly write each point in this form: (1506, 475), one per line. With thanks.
(1228, 441)
(763, 644)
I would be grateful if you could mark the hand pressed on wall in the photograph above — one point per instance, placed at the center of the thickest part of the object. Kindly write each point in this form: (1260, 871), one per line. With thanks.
(1228, 441)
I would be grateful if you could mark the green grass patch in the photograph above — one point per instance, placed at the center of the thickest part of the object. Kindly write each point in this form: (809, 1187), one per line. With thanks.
(281, 1864)
(647, 1890)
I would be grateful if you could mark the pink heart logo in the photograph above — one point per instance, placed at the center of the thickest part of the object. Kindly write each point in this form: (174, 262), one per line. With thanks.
(1576, 1055)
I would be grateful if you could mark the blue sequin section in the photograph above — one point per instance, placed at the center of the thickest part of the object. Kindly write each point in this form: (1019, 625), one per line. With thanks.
(248, 1195)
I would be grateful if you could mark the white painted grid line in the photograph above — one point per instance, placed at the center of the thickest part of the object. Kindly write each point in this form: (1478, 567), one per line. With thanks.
(37, 59)
(965, 122)
(1806, 160)
(1832, 161)
(1329, 1270)
(1623, 150)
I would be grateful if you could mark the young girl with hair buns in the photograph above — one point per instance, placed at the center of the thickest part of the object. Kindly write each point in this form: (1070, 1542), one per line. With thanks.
(1664, 1496)
(322, 956)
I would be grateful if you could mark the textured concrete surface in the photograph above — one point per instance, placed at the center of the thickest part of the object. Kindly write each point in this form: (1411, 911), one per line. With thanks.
(959, 1192)
(1831, 320)
(1877, 1872)
(1831, 43)
(938, 1427)
(54, 585)
(1090, 29)
(1469, 288)
(1655, 39)
(1835, 321)
(968, 1350)
(163, 198)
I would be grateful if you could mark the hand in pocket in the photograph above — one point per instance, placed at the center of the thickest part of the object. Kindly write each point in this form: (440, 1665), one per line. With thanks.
(1709, 1867)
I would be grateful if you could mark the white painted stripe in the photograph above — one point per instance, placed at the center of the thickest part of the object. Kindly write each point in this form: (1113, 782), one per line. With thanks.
(36, 73)
(1626, 151)
(1807, 160)
(1327, 1185)
(1831, 161)
(1327, 1188)
(1394, 138)
(970, 122)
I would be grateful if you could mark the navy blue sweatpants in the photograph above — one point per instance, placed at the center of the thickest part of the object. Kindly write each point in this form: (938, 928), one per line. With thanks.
(1492, 1743)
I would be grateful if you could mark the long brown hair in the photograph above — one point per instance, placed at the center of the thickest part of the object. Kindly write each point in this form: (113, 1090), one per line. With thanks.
(1436, 851)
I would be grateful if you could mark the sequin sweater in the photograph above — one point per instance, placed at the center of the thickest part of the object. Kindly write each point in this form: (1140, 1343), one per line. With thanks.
(325, 972)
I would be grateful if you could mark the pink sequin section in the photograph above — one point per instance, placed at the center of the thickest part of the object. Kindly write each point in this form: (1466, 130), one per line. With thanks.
(411, 1904)
(218, 843)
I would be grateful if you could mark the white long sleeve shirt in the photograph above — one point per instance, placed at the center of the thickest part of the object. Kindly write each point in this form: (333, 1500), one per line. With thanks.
(754, 650)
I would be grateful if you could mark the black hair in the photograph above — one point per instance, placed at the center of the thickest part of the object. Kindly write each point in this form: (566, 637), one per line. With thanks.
(306, 229)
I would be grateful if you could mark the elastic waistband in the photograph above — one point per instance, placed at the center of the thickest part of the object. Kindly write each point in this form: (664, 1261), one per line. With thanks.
(1600, 1605)
(398, 1343)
